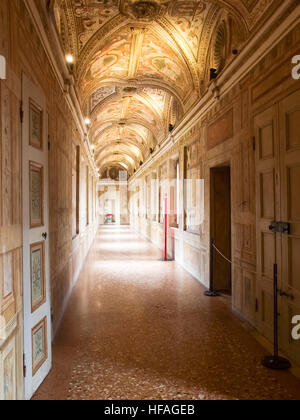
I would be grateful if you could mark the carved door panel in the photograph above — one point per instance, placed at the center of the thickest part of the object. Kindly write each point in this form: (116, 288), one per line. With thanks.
(36, 287)
(268, 210)
(289, 119)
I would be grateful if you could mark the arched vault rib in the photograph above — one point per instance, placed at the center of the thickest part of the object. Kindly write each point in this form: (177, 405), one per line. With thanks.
(140, 136)
(124, 141)
(122, 158)
(135, 106)
(113, 163)
(163, 29)
(139, 97)
(115, 131)
(110, 149)
(127, 122)
(139, 84)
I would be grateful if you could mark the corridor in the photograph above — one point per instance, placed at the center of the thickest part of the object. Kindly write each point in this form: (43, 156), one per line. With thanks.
(127, 126)
(139, 328)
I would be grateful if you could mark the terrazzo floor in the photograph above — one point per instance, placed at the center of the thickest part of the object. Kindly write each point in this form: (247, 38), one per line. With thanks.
(139, 328)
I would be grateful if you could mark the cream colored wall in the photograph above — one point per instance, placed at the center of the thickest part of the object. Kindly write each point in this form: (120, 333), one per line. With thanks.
(224, 129)
(22, 48)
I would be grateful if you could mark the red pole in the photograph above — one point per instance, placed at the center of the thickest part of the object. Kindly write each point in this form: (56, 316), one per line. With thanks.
(166, 229)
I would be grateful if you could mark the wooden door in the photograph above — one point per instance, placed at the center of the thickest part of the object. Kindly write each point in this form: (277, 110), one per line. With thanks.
(36, 287)
(267, 211)
(289, 120)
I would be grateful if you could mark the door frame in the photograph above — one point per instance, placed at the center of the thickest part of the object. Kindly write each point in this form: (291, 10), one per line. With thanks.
(212, 169)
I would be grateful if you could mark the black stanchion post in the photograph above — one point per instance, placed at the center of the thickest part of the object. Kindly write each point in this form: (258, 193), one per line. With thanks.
(211, 292)
(276, 362)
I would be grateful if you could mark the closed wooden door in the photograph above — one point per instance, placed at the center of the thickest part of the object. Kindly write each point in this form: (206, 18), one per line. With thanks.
(277, 132)
(289, 121)
(220, 226)
(267, 211)
(36, 287)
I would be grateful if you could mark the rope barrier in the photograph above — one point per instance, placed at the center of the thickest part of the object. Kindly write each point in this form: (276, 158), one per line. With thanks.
(222, 255)
(251, 272)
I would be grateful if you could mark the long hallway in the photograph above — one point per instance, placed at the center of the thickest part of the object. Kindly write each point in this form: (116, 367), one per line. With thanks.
(139, 328)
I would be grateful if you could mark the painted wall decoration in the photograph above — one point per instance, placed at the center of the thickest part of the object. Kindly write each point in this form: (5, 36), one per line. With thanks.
(220, 130)
(157, 97)
(36, 196)
(112, 61)
(39, 345)
(127, 109)
(138, 110)
(9, 374)
(91, 15)
(163, 190)
(188, 18)
(35, 126)
(142, 131)
(100, 95)
(158, 61)
(194, 188)
(37, 268)
(111, 111)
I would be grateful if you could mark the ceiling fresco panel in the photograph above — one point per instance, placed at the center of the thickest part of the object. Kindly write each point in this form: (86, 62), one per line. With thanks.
(140, 66)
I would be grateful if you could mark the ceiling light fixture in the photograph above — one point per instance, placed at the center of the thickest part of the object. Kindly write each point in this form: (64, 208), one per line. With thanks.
(87, 121)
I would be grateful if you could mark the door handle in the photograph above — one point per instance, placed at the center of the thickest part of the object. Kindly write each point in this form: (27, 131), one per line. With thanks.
(287, 295)
(45, 235)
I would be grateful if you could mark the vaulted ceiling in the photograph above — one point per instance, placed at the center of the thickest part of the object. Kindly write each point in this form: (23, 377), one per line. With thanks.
(140, 66)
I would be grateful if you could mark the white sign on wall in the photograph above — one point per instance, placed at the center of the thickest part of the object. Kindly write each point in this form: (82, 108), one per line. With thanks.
(2, 67)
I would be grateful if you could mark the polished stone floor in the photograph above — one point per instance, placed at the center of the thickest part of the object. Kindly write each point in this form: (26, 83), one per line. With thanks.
(139, 328)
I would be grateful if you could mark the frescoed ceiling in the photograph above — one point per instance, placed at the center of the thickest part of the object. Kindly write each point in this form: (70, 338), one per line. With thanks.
(139, 66)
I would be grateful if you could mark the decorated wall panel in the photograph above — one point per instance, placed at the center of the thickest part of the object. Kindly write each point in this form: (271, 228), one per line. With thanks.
(30, 57)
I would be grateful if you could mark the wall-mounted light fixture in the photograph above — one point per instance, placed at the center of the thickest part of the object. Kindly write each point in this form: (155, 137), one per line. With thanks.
(69, 59)
(70, 62)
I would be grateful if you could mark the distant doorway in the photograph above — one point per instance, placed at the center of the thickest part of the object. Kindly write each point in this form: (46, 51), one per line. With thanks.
(110, 210)
(220, 227)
